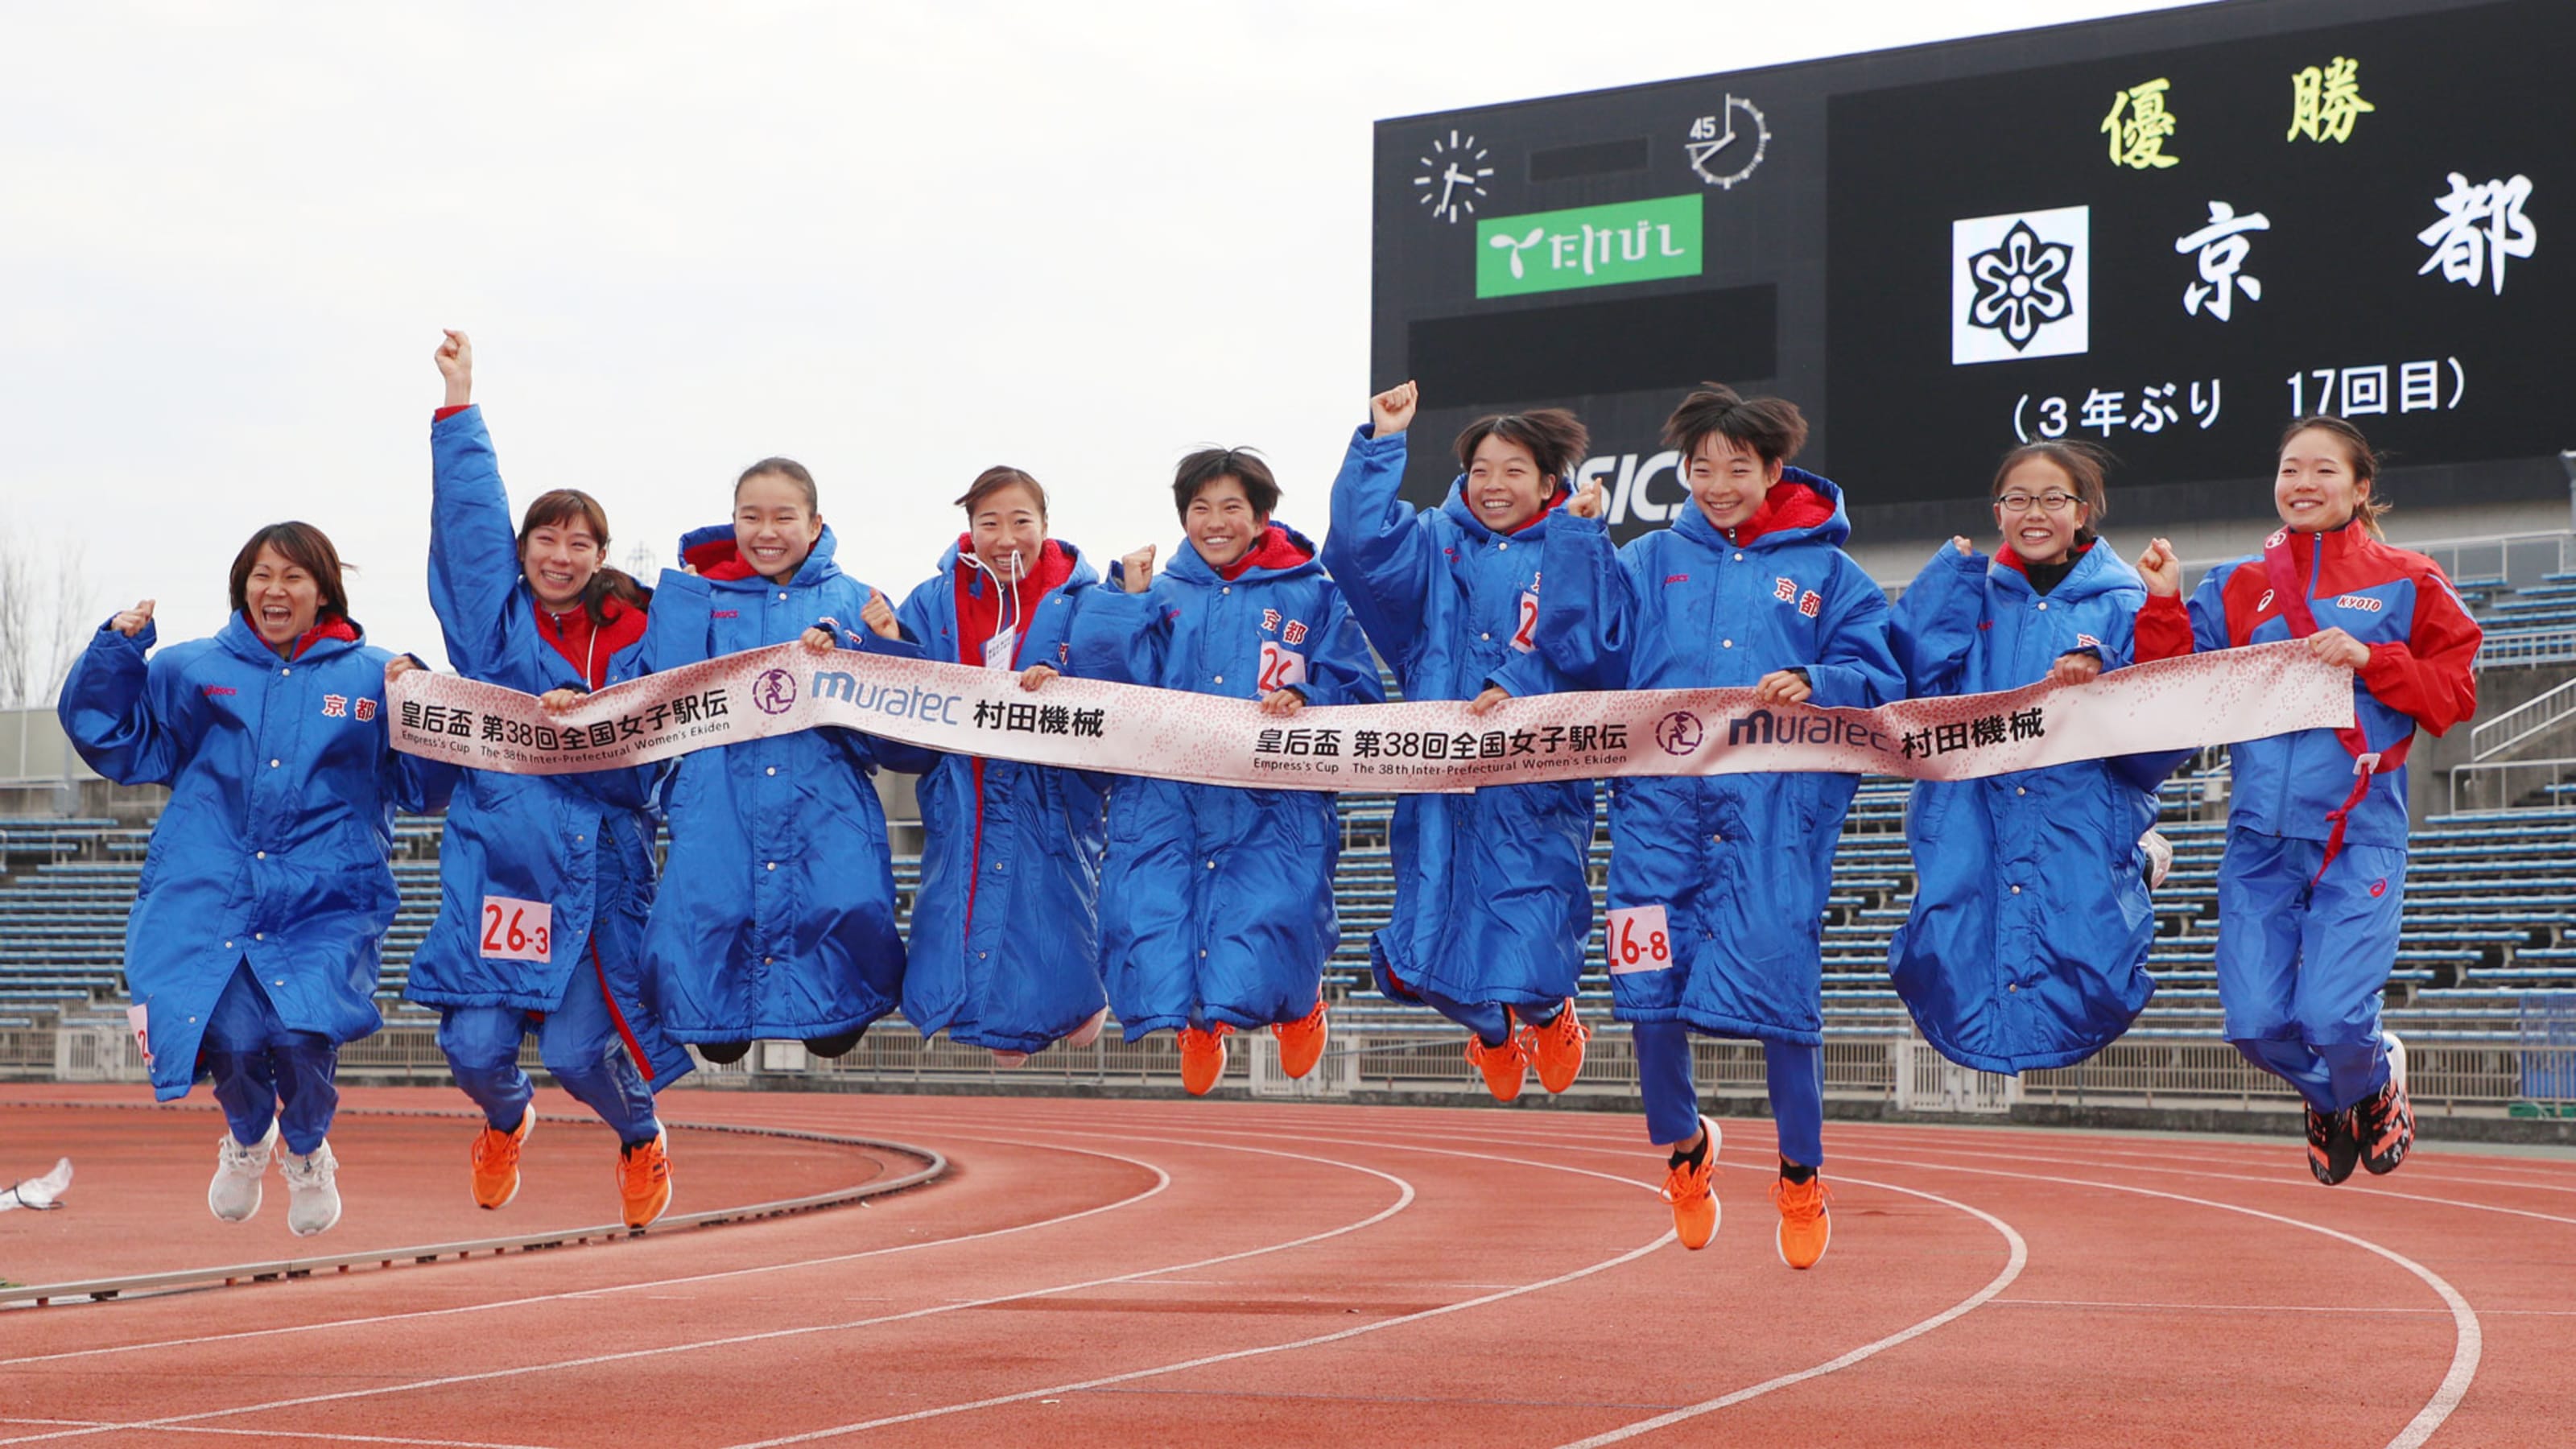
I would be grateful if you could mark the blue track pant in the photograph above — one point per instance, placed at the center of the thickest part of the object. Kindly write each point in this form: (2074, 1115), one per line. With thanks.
(265, 1073)
(2301, 967)
(1796, 1077)
(579, 1043)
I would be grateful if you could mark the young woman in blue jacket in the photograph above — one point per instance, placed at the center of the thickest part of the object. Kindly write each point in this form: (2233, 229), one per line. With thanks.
(1718, 883)
(540, 612)
(2027, 943)
(1005, 945)
(1492, 901)
(257, 933)
(1216, 902)
(775, 916)
(2312, 888)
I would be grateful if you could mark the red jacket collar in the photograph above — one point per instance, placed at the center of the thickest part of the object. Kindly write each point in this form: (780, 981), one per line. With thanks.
(1789, 504)
(2014, 561)
(1563, 493)
(588, 647)
(718, 558)
(979, 602)
(1273, 550)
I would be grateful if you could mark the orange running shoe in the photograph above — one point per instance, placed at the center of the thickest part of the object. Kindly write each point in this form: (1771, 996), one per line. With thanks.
(1556, 1049)
(496, 1161)
(644, 1180)
(1691, 1191)
(1503, 1066)
(1805, 1227)
(1301, 1043)
(1203, 1057)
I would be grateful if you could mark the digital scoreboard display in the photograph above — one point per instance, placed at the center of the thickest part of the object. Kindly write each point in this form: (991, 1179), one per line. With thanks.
(2168, 234)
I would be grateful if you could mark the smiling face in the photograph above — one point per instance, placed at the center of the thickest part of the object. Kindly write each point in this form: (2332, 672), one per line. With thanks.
(1005, 522)
(772, 526)
(559, 560)
(2317, 489)
(281, 597)
(1221, 523)
(2038, 510)
(1729, 480)
(1505, 487)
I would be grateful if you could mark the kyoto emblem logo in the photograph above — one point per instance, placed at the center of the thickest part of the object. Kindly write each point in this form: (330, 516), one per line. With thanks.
(2020, 285)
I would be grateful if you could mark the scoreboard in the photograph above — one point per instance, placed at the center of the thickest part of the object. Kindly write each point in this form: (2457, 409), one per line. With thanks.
(2168, 234)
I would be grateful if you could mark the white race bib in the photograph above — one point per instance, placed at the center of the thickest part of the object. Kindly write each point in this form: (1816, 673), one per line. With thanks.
(1280, 668)
(1523, 637)
(517, 930)
(1639, 940)
(138, 1016)
(999, 649)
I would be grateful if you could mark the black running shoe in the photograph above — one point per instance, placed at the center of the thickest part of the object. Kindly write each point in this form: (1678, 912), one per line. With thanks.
(2385, 1125)
(724, 1053)
(2334, 1147)
(837, 1044)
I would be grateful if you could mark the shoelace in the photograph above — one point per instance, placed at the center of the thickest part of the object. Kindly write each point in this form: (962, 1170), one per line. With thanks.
(1811, 1206)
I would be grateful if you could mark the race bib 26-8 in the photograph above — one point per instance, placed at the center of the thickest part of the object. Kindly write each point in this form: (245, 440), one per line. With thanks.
(1639, 940)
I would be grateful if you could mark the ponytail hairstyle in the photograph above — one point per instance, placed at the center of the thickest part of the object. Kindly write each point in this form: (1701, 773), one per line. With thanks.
(2086, 466)
(2359, 456)
(567, 507)
(1553, 437)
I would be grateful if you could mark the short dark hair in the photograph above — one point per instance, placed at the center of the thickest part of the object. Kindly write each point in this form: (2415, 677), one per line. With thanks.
(304, 546)
(2087, 467)
(789, 469)
(2363, 459)
(1771, 427)
(1554, 437)
(1207, 465)
(570, 505)
(993, 480)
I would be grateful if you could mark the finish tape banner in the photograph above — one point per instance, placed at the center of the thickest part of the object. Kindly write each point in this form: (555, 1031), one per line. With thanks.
(1426, 747)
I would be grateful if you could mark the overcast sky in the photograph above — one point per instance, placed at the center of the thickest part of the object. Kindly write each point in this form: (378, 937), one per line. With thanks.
(898, 242)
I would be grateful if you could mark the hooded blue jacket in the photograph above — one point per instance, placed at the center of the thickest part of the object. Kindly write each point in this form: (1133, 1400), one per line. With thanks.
(776, 912)
(1492, 902)
(1005, 949)
(275, 846)
(1999, 978)
(529, 837)
(1740, 864)
(1216, 904)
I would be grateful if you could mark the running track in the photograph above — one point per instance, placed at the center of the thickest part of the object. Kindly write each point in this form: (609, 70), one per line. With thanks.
(1162, 1272)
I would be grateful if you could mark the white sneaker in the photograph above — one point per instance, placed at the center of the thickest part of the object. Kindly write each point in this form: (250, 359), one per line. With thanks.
(43, 1194)
(312, 1196)
(2159, 857)
(234, 1194)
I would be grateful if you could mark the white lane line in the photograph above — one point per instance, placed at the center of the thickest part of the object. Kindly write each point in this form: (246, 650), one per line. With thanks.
(1024, 1395)
(2272, 1308)
(2020, 1257)
(1162, 1180)
(102, 1425)
(1404, 1199)
(2017, 1257)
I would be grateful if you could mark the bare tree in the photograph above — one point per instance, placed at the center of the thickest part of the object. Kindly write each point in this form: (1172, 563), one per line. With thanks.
(45, 602)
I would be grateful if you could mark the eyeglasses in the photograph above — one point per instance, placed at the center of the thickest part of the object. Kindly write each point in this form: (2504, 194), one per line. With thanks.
(2051, 502)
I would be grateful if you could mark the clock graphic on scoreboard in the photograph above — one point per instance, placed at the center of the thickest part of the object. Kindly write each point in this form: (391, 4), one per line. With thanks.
(1453, 177)
(1725, 147)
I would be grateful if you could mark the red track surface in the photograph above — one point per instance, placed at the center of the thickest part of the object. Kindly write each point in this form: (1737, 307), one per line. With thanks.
(1116, 1273)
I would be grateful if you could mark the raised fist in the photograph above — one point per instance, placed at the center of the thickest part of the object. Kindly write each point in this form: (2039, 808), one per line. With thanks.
(1391, 411)
(455, 358)
(1588, 500)
(131, 621)
(1137, 569)
(2161, 570)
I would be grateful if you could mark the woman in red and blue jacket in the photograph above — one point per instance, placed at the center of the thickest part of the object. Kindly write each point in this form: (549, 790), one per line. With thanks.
(1493, 902)
(1718, 883)
(775, 915)
(1004, 951)
(2314, 878)
(257, 934)
(2026, 946)
(1216, 902)
(540, 612)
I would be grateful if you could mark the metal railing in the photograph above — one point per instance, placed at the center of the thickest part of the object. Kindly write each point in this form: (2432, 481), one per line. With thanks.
(2493, 785)
(2523, 721)
(2521, 1059)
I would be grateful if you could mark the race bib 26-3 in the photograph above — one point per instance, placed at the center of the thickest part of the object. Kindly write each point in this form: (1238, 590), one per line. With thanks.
(516, 930)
